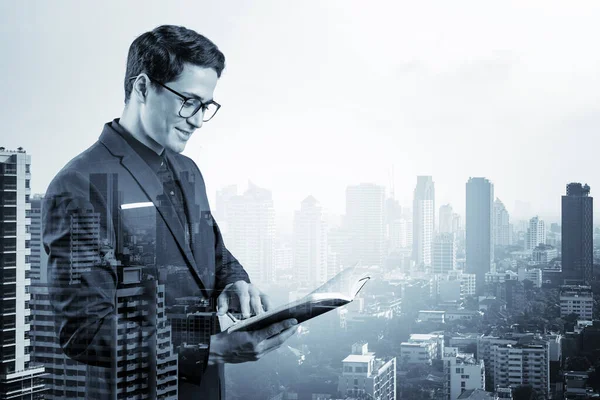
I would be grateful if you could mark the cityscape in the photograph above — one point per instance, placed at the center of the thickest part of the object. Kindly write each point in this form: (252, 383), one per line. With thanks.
(464, 301)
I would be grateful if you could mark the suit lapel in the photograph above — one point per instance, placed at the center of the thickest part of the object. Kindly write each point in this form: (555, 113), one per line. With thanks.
(190, 189)
(154, 189)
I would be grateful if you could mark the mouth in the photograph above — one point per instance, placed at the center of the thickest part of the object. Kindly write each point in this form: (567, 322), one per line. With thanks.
(185, 134)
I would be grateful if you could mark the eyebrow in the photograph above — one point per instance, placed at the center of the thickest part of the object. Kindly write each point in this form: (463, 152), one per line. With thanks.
(195, 96)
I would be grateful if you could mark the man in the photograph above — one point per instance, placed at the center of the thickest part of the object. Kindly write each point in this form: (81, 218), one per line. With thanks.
(136, 261)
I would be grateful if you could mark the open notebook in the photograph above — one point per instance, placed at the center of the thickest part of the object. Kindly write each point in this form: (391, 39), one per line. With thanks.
(338, 291)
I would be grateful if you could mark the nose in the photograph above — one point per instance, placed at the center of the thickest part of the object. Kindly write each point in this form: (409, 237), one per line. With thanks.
(196, 119)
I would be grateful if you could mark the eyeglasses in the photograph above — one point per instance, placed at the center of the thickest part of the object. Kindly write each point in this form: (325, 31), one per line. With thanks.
(191, 105)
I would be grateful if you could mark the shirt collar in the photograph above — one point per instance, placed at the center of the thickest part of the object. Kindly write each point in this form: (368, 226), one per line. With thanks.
(154, 160)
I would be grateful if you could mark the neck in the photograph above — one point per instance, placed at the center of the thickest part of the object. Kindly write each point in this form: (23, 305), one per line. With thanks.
(132, 123)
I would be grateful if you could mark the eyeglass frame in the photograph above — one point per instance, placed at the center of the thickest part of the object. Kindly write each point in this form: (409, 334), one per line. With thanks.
(185, 98)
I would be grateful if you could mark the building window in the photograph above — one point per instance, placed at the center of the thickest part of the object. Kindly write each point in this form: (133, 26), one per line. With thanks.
(27, 199)
(27, 168)
(27, 183)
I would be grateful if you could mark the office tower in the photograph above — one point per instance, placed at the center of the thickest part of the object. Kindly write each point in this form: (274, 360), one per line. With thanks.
(479, 246)
(251, 232)
(283, 257)
(107, 197)
(444, 253)
(143, 357)
(19, 377)
(501, 224)
(393, 223)
(423, 220)
(576, 299)
(39, 258)
(365, 218)
(310, 244)
(446, 216)
(577, 234)
(536, 233)
(65, 378)
(456, 223)
(522, 364)
(223, 197)
(364, 374)
(461, 372)
(393, 209)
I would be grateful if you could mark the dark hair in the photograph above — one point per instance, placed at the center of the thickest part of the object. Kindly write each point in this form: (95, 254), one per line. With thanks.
(162, 52)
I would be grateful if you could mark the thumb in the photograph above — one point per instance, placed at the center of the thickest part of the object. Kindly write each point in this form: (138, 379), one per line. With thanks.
(222, 304)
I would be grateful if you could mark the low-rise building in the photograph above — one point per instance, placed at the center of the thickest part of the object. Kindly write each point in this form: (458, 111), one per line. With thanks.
(462, 372)
(576, 299)
(363, 373)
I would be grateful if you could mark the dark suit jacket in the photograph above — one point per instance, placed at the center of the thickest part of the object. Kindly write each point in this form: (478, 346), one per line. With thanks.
(134, 291)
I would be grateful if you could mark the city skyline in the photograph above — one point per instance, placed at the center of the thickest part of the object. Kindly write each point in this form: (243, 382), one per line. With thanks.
(445, 103)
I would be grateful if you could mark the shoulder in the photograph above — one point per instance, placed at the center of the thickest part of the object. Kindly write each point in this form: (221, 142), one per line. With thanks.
(78, 169)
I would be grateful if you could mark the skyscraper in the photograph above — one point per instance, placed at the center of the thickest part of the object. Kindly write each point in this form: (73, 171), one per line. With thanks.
(479, 246)
(310, 244)
(445, 224)
(501, 224)
(423, 220)
(365, 209)
(251, 232)
(39, 258)
(577, 234)
(19, 377)
(536, 233)
(444, 253)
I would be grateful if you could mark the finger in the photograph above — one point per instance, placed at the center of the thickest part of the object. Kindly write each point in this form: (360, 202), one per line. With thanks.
(222, 303)
(244, 298)
(256, 304)
(277, 340)
(266, 301)
(276, 328)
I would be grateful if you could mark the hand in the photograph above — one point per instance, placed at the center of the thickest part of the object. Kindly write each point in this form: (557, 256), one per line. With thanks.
(248, 295)
(239, 347)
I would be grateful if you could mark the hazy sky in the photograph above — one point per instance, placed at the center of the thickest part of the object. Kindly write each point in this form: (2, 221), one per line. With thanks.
(317, 95)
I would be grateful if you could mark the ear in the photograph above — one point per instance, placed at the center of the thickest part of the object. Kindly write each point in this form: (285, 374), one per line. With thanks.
(140, 88)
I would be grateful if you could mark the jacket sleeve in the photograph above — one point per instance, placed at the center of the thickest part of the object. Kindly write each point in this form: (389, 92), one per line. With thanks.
(82, 283)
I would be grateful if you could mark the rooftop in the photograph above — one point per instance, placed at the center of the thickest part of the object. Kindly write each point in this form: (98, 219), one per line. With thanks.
(359, 358)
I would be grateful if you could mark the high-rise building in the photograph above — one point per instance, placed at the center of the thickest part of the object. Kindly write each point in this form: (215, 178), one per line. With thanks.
(444, 253)
(501, 224)
(251, 232)
(446, 216)
(364, 374)
(223, 197)
(365, 218)
(536, 233)
(577, 234)
(462, 372)
(310, 244)
(19, 377)
(479, 211)
(39, 258)
(65, 378)
(423, 220)
(144, 356)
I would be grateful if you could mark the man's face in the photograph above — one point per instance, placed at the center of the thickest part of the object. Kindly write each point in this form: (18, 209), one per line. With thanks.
(160, 114)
